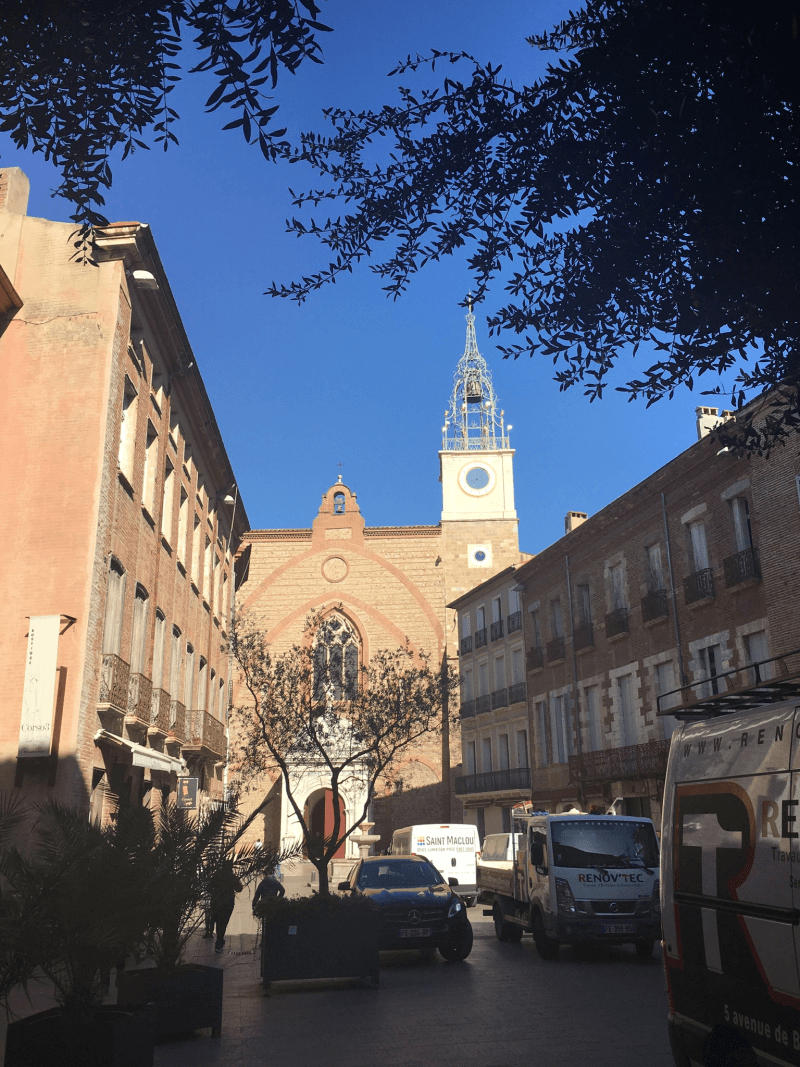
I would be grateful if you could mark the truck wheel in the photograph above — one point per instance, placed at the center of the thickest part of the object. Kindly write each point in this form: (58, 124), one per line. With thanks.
(547, 947)
(505, 931)
(644, 949)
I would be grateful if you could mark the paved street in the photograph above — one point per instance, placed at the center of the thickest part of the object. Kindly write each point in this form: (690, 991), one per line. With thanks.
(503, 1007)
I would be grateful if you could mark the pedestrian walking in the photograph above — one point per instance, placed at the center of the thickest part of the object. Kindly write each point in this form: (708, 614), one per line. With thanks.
(224, 887)
(269, 886)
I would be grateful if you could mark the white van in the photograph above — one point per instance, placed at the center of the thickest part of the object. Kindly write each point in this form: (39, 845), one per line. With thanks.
(730, 895)
(452, 848)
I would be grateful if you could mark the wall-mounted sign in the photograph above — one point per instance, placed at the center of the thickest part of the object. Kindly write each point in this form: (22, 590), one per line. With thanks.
(38, 694)
(187, 794)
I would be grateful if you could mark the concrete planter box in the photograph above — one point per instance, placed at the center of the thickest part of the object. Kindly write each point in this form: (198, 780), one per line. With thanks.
(114, 1038)
(188, 999)
(335, 939)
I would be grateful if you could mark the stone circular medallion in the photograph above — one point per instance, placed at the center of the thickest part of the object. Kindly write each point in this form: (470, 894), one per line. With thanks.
(335, 569)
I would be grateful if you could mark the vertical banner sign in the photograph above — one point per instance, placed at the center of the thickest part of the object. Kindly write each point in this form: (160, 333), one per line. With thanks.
(38, 694)
(187, 794)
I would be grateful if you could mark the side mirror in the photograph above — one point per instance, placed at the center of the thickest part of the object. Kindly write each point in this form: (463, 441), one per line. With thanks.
(452, 881)
(343, 887)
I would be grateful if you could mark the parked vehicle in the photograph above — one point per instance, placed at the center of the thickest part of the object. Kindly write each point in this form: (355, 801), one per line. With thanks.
(496, 860)
(420, 909)
(731, 882)
(579, 878)
(452, 848)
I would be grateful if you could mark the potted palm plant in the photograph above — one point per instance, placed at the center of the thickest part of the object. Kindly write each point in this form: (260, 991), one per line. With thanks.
(189, 855)
(76, 900)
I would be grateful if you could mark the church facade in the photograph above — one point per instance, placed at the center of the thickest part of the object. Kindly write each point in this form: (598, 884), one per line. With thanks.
(389, 586)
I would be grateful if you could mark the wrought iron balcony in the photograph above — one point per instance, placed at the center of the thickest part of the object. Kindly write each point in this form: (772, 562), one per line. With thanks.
(583, 637)
(699, 586)
(500, 698)
(492, 443)
(139, 697)
(467, 709)
(514, 622)
(743, 567)
(655, 606)
(466, 644)
(617, 622)
(160, 710)
(207, 731)
(483, 704)
(535, 659)
(612, 764)
(496, 630)
(494, 781)
(177, 718)
(555, 650)
(516, 693)
(114, 682)
(480, 638)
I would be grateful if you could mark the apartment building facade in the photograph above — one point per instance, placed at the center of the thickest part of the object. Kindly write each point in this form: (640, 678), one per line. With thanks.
(671, 592)
(495, 750)
(114, 662)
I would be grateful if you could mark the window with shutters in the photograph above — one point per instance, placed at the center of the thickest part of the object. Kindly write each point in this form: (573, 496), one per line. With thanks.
(115, 606)
(139, 629)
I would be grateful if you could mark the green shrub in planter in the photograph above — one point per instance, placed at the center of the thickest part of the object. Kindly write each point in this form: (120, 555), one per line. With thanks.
(319, 937)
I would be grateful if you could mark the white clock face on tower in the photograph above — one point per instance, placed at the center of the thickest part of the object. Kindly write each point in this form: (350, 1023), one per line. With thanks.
(476, 479)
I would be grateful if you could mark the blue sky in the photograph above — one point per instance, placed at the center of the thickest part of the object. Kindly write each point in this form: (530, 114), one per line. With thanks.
(350, 376)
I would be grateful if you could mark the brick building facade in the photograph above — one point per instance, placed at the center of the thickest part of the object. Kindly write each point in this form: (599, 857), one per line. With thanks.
(693, 573)
(116, 478)
(391, 585)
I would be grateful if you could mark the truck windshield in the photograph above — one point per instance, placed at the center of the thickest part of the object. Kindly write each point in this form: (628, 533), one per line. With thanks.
(604, 843)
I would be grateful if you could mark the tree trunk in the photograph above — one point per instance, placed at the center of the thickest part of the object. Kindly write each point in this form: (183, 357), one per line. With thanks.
(322, 877)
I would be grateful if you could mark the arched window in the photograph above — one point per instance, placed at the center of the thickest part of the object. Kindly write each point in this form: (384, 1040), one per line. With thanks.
(338, 503)
(336, 660)
(115, 603)
(139, 629)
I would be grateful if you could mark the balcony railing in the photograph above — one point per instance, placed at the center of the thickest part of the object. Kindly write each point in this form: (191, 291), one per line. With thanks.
(634, 761)
(483, 704)
(514, 622)
(177, 718)
(139, 697)
(500, 698)
(699, 586)
(583, 637)
(516, 693)
(535, 659)
(494, 781)
(160, 710)
(743, 567)
(114, 682)
(654, 605)
(617, 622)
(475, 444)
(480, 638)
(467, 709)
(496, 630)
(555, 649)
(466, 644)
(207, 731)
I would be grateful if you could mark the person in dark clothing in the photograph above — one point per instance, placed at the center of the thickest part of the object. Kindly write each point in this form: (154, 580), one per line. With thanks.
(224, 887)
(268, 887)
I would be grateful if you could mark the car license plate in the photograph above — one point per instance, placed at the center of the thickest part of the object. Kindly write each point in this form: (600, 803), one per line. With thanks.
(418, 932)
(618, 928)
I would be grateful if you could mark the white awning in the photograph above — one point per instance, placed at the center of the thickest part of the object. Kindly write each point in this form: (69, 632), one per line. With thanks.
(141, 756)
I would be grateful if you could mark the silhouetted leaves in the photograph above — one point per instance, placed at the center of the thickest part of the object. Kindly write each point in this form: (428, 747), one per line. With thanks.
(644, 190)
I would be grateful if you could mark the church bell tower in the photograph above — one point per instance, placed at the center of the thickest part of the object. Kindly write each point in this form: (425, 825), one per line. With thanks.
(479, 521)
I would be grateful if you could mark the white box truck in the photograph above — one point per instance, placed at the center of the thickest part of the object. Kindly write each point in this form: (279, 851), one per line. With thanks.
(451, 847)
(731, 875)
(575, 879)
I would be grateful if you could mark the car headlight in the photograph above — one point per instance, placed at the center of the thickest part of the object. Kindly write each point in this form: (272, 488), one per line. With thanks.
(564, 897)
(455, 908)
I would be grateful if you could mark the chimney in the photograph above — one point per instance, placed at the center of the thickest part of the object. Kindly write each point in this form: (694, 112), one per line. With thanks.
(14, 189)
(573, 520)
(708, 419)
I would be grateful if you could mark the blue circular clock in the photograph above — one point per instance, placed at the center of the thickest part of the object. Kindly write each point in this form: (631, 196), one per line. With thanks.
(480, 555)
(477, 478)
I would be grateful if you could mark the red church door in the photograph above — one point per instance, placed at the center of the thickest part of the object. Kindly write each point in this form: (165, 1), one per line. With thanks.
(321, 823)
